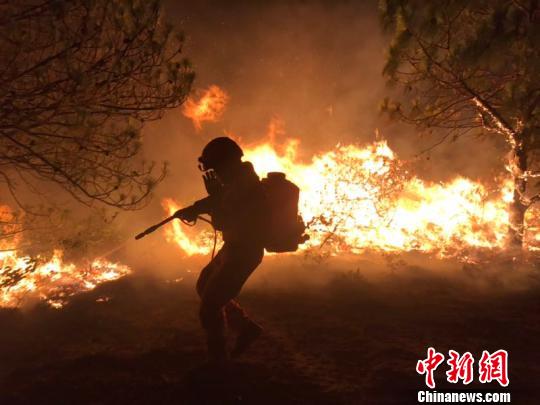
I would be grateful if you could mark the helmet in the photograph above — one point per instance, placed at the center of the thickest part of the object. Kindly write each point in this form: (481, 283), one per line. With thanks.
(219, 151)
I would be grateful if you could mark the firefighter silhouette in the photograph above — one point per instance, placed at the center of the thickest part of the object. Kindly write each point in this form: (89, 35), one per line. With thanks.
(235, 203)
(253, 215)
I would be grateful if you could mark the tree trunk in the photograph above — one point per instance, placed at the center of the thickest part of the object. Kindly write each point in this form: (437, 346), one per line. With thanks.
(517, 207)
(517, 221)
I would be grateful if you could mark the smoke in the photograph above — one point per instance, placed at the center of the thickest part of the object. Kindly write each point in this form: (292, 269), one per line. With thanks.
(316, 67)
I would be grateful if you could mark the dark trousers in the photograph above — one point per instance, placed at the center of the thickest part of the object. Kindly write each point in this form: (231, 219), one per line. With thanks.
(219, 283)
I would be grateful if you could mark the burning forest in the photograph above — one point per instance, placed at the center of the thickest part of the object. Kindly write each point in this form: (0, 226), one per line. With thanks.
(356, 198)
(344, 199)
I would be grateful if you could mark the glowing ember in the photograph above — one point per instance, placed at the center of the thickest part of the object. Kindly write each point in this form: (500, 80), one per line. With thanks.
(363, 198)
(24, 279)
(209, 107)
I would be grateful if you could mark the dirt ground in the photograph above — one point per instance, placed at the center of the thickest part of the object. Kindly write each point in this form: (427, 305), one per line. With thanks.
(346, 337)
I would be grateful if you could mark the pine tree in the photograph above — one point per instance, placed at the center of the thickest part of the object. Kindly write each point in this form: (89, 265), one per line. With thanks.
(78, 79)
(471, 66)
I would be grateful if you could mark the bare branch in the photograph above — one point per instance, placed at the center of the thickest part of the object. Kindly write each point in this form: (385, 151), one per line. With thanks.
(81, 79)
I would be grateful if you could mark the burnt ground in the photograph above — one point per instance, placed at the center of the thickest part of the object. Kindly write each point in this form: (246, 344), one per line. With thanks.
(348, 339)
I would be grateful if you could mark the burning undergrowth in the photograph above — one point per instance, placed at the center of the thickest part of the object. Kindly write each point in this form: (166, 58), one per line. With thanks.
(355, 199)
(360, 198)
(33, 278)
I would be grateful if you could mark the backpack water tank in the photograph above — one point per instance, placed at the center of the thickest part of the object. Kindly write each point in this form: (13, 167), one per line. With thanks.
(284, 227)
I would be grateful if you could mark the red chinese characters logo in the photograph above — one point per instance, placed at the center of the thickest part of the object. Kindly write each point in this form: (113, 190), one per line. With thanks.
(461, 367)
(429, 365)
(491, 367)
(494, 367)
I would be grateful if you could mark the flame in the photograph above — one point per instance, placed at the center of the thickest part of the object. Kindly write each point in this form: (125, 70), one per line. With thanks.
(209, 107)
(190, 243)
(357, 198)
(24, 278)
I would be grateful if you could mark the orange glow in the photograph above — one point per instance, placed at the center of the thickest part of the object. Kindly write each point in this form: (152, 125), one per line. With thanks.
(209, 107)
(192, 243)
(24, 279)
(357, 198)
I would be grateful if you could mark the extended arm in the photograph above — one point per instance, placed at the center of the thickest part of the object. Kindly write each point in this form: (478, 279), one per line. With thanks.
(203, 206)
